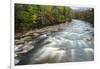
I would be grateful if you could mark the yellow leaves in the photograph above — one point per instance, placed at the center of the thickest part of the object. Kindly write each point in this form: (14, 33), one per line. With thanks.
(34, 18)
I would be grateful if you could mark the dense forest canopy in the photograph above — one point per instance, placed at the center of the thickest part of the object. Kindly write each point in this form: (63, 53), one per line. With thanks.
(35, 16)
(28, 16)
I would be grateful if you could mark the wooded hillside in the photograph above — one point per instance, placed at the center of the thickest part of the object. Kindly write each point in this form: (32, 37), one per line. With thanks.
(36, 16)
(28, 16)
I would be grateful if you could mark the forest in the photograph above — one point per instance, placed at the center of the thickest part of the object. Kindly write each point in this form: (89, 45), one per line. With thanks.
(28, 16)
(87, 15)
(36, 16)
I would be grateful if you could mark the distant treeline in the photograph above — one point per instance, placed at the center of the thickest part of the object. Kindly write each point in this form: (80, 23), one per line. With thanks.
(87, 15)
(29, 16)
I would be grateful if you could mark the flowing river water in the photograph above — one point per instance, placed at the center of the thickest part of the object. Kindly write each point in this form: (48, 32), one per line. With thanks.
(74, 43)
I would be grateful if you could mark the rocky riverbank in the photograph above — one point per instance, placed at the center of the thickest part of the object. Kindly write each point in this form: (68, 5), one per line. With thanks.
(30, 35)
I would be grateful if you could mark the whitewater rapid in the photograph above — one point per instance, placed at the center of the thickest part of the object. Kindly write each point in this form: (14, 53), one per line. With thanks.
(74, 43)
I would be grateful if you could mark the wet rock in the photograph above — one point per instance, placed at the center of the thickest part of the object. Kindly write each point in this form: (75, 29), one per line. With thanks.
(17, 42)
(23, 48)
(28, 38)
(17, 60)
(36, 34)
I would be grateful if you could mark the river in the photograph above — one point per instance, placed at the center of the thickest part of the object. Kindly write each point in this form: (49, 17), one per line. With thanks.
(72, 44)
